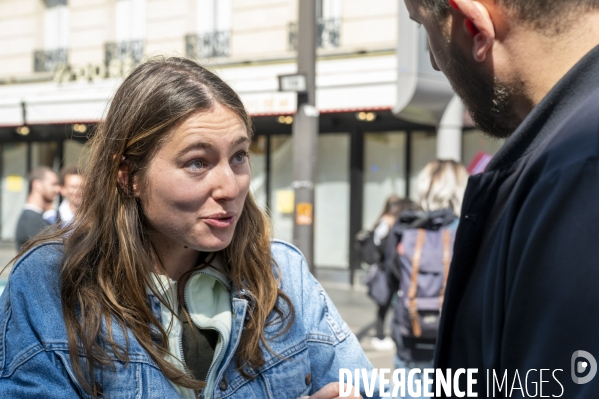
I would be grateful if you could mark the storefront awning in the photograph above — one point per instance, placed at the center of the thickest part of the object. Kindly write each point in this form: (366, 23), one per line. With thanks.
(11, 112)
(343, 85)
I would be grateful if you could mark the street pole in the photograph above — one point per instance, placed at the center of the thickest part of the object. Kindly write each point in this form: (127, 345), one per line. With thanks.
(305, 134)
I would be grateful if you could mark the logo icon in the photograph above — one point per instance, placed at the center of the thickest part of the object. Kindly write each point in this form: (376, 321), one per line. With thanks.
(580, 366)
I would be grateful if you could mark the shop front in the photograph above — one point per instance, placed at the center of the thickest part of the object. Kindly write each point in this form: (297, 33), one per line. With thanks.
(365, 152)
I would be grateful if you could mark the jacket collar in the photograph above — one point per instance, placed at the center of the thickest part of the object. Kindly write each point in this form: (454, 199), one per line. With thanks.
(540, 125)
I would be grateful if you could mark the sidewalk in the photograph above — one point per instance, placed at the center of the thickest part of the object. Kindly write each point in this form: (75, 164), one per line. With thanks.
(358, 311)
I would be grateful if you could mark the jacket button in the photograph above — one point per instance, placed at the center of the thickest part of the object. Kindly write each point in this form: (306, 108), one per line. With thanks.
(223, 385)
(308, 379)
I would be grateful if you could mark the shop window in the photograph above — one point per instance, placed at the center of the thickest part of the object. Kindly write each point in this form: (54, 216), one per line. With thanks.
(258, 156)
(331, 202)
(75, 153)
(281, 192)
(14, 186)
(424, 150)
(213, 33)
(384, 172)
(56, 37)
(331, 196)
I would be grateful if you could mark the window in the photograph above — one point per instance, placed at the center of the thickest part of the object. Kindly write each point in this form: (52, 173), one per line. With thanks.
(56, 37)
(130, 20)
(328, 25)
(56, 25)
(130, 33)
(328, 13)
(213, 31)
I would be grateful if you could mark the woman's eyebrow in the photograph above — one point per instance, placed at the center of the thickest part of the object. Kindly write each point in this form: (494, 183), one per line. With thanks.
(209, 147)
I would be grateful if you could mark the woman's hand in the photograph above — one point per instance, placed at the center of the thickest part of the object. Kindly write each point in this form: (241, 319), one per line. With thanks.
(331, 391)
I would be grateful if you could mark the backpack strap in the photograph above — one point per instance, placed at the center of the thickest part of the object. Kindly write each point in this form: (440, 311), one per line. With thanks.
(446, 263)
(416, 328)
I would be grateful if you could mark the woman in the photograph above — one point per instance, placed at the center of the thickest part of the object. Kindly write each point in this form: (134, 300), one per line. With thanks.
(380, 292)
(419, 250)
(167, 283)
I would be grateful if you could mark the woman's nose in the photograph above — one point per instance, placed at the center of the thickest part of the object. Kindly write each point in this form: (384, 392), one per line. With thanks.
(225, 183)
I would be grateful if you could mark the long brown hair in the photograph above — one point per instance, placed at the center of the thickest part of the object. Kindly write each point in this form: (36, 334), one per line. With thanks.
(109, 258)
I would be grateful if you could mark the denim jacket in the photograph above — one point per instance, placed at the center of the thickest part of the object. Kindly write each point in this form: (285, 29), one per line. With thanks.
(34, 358)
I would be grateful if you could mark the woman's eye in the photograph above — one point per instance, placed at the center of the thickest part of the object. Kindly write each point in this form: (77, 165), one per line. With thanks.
(195, 165)
(240, 157)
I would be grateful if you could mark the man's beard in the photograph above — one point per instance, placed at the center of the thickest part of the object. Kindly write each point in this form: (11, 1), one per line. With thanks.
(490, 102)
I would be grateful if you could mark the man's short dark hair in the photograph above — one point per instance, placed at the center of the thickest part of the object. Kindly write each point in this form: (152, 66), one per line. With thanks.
(38, 173)
(67, 171)
(547, 15)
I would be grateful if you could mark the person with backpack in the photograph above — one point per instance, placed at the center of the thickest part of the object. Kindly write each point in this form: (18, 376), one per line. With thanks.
(418, 253)
(373, 253)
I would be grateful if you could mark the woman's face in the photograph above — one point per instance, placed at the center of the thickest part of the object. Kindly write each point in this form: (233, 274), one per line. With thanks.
(195, 186)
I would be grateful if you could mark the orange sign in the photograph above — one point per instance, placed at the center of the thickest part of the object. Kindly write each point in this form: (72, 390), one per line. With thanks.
(303, 213)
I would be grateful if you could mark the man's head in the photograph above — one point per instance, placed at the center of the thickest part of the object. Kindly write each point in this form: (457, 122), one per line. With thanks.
(43, 186)
(550, 16)
(71, 182)
(497, 53)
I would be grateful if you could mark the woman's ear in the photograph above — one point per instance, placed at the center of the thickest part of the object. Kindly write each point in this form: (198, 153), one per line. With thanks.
(478, 24)
(123, 179)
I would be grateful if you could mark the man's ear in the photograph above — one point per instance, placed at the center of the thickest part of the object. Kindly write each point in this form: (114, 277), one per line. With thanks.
(123, 179)
(478, 24)
(35, 185)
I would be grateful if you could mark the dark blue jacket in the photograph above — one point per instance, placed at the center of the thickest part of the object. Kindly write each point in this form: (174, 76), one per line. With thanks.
(523, 290)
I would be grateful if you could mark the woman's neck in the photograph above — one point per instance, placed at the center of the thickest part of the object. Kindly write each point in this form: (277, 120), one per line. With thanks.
(176, 259)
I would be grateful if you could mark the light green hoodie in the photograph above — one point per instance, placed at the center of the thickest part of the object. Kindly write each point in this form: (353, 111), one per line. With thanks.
(208, 301)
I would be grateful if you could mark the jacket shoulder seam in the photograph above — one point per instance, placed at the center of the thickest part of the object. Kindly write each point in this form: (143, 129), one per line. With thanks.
(30, 252)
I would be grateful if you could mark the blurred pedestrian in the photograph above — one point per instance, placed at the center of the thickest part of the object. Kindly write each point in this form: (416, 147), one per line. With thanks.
(71, 186)
(418, 254)
(169, 283)
(378, 285)
(522, 293)
(43, 188)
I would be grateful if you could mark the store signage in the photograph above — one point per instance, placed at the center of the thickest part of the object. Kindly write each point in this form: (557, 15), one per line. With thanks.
(117, 68)
(270, 103)
(296, 83)
(304, 213)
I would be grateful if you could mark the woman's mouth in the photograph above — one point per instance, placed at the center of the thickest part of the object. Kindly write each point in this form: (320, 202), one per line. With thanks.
(220, 221)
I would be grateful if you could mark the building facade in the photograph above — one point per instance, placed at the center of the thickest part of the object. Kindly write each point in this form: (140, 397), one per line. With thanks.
(61, 61)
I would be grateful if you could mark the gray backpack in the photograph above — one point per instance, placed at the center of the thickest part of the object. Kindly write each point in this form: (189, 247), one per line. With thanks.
(424, 258)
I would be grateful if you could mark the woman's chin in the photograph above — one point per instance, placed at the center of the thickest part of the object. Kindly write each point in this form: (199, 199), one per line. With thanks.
(213, 245)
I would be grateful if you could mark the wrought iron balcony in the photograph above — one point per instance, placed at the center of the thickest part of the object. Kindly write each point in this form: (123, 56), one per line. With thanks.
(48, 60)
(206, 45)
(129, 51)
(327, 33)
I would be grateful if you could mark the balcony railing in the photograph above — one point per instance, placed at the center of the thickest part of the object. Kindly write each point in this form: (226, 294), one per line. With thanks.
(49, 60)
(207, 45)
(327, 33)
(128, 52)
